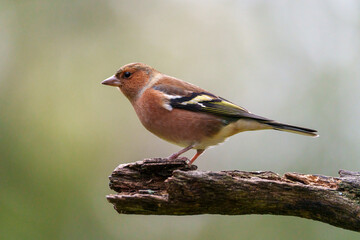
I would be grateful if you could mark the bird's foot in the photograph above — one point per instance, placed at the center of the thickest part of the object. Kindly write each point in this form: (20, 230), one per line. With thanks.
(174, 157)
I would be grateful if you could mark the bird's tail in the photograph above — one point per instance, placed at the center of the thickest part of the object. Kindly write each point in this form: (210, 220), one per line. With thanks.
(293, 129)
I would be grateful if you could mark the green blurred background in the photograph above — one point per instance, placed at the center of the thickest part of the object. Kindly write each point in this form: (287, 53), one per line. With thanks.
(62, 133)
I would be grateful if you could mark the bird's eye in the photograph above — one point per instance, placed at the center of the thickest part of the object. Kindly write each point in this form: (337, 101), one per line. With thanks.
(127, 74)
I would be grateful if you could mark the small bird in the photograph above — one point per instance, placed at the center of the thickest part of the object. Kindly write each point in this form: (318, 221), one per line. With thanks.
(185, 114)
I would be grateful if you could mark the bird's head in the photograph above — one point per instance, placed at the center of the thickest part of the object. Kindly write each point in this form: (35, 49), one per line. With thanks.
(131, 79)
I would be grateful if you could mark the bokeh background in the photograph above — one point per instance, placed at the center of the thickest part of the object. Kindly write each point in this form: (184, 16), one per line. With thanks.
(62, 132)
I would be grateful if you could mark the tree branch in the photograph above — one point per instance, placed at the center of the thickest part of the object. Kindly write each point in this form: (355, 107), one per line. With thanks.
(161, 187)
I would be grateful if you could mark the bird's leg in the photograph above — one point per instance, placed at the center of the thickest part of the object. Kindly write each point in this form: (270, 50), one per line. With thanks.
(198, 153)
(176, 155)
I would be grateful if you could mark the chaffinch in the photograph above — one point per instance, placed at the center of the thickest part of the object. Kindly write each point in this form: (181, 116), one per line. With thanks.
(184, 114)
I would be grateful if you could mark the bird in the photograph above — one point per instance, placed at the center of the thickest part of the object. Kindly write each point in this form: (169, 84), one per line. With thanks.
(184, 114)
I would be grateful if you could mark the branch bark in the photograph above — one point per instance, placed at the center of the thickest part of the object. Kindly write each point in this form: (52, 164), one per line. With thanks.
(160, 187)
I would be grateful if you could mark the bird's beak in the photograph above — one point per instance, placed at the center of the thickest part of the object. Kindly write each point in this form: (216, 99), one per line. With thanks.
(112, 81)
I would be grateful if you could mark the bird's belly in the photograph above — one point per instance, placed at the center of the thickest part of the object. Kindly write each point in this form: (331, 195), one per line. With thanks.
(182, 127)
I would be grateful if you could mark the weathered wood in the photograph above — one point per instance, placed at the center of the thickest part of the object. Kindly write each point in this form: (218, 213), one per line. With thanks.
(161, 187)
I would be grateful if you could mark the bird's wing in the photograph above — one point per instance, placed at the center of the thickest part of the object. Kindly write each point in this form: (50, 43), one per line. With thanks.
(191, 98)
